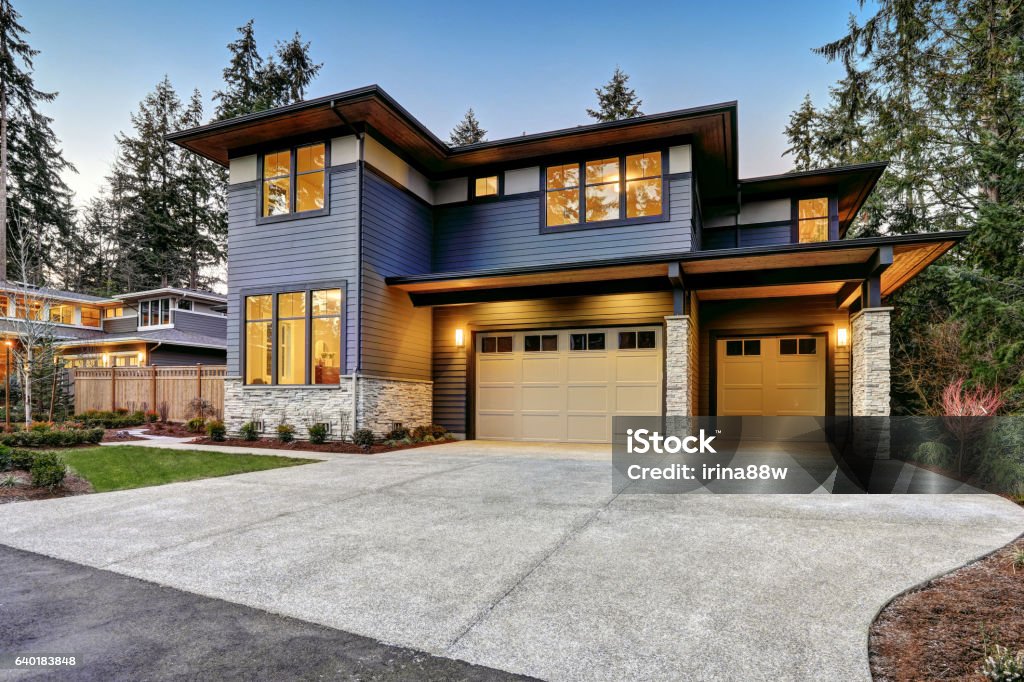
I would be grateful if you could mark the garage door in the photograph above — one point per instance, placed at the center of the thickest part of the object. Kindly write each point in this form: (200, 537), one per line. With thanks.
(565, 385)
(771, 376)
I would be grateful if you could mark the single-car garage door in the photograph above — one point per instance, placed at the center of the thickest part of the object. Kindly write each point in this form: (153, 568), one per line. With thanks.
(565, 385)
(771, 376)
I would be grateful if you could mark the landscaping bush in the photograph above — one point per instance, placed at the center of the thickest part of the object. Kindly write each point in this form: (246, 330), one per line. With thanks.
(285, 433)
(118, 419)
(397, 433)
(48, 470)
(216, 430)
(436, 431)
(196, 425)
(361, 437)
(250, 431)
(59, 437)
(1003, 666)
(22, 459)
(152, 416)
(318, 434)
(5, 458)
(934, 454)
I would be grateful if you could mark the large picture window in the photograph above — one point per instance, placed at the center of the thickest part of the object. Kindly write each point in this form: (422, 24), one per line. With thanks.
(154, 312)
(618, 188)
(293, 180)
(294, 337)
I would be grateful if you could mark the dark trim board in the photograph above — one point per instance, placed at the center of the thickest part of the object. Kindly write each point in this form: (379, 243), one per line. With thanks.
(817, 330)
(619, 286)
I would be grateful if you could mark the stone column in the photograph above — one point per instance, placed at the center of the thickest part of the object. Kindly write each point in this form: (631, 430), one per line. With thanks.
(871, 362)
(680, 366)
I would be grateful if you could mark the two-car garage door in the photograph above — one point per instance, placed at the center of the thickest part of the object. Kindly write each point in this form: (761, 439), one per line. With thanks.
(565, 385)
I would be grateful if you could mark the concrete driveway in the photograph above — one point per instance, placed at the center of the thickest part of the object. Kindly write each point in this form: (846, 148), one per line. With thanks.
(519, 557)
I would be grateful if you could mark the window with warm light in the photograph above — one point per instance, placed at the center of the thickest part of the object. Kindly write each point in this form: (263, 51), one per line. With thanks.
(117, 311)
(28, 309)
(155, 312)
(294, 338)
(486, 187)
(812, 220)
(90, 316)
(617, 188)
(62, 313)
(293, 180)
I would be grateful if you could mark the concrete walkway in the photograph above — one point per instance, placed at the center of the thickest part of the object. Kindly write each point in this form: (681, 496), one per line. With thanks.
(519, 557)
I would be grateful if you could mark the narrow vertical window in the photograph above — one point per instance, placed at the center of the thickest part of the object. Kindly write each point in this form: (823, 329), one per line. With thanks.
(602, 195)
(309, 178)
(326, 342)
(258, 321)
(562, 185)
(291, 338)
(277, 167)
(812, 220)
(643, 185)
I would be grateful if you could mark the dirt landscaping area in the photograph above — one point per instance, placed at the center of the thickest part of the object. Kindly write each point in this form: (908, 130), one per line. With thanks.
(22, 489)
(945, 629)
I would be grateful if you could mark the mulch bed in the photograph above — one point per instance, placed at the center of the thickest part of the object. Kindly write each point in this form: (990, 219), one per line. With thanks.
(172, 429)
(118, 436)
(305, 446)
(73, 485)
(940, 631)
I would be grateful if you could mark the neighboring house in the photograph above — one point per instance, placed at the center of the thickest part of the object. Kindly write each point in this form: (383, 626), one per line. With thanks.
(532, 288)
(167, 326)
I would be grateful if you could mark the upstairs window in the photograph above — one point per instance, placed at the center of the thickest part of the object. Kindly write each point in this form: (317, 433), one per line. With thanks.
(28, 310)
(486, 187)
(155, 312)
(293, 180)
(117, 311)
(62, 313)
(616, 188)
(812, 220)
(90, 316)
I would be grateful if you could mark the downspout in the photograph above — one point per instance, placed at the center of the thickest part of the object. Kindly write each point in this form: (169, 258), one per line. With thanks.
(358, 299)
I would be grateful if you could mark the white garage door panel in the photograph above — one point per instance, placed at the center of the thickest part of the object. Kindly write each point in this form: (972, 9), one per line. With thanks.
(561, 394)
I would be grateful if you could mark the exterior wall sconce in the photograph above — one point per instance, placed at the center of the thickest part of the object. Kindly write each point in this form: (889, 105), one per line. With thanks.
(142, 358)
(460, 338)
(841, 337)
(106, 360)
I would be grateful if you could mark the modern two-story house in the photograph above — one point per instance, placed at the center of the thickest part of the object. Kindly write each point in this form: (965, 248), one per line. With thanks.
(532, 288)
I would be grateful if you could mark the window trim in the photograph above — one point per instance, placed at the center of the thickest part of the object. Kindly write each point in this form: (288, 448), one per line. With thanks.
(833, 215)
(621, 221)
(292, 179)
(500, 175)
(308, 288)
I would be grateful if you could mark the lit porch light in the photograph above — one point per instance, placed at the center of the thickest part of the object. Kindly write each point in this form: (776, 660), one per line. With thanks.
(460, 338)
(841, 338)
(106, 359)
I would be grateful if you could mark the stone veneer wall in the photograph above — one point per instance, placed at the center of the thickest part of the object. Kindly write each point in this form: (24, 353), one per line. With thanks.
(381, 402)
(680, 365)
(385, 401)
(871, 362)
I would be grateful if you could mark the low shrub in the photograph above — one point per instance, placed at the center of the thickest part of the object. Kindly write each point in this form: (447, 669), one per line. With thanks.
(152, 416)
(363, 437)
(285, 433)
(1002, 666)
(216, 430)
(397, 433)
(22, 459)
(196, 425)
(40, 426)
(63, 437)
(48, 470)
(318, 433)
(250, 431)
(5, 458)
(934, 454)
(436, 431)
(117, 419)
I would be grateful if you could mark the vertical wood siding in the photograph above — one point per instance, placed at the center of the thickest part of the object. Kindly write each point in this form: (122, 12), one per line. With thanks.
(451, 364)
(396, 241)
(292, 251)
(507, 234)
(782, 315)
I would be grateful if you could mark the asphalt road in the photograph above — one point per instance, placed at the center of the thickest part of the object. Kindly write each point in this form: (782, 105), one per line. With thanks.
(121, 628)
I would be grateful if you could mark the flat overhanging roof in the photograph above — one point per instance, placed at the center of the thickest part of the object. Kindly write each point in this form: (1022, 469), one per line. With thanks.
(758, 272)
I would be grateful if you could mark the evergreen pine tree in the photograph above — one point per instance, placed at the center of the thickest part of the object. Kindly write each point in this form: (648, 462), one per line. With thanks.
(616, 100)
(31, 161)
(468, 131)
(802, 134)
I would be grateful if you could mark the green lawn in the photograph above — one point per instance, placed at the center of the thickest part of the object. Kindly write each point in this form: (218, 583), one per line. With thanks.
(133, 466)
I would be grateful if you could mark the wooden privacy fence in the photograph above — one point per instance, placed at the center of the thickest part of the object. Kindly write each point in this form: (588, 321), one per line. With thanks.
(148, 388)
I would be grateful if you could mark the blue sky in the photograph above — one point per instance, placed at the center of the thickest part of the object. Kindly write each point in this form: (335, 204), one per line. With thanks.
(523, 66)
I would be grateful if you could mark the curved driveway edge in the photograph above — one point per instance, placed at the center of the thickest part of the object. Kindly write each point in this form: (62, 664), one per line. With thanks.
(519, 557)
